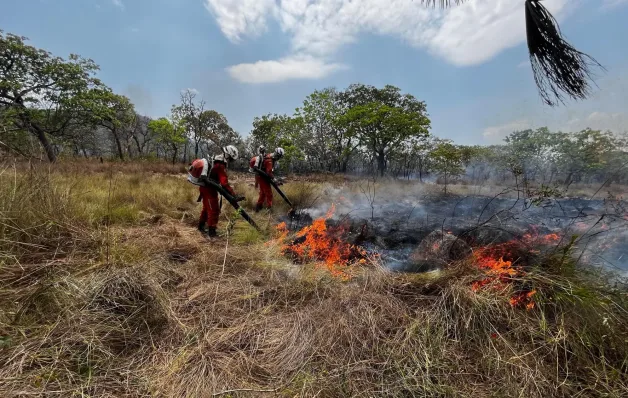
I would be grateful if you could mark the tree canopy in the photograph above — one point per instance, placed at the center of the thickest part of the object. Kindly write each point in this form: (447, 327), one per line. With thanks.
(41, 93)
(58, 107)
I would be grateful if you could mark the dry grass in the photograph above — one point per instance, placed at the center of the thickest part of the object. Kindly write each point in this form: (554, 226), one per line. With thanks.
(139, 305)
(94, 166)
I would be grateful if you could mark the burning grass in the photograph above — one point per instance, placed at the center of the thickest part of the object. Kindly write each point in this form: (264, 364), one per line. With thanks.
(324, 244)
(505, 265)
(149, 309)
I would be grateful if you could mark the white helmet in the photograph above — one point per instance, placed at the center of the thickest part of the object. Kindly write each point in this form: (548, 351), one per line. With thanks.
(261, 149)
(230, 152)
(279, 152)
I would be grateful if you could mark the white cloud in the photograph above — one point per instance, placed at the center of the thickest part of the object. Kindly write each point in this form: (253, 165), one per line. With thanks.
(469, 34)
(190, 90)
(617, 121)
(496, 134)
(597, 120)
(304, 67)
(241, 17)
(118, 3)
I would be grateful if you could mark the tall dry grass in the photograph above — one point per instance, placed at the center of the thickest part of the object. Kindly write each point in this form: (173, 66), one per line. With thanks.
(139, 305)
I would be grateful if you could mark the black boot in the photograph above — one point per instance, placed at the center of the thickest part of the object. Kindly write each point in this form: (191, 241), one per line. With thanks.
(211, 231)
(201, 226)
(258, 208)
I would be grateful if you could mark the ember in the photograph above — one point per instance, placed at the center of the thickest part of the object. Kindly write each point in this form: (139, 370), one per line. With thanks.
(318, 242)
(534, 237)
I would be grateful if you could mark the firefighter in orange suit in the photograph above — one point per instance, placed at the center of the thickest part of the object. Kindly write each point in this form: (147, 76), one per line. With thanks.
(265, 189)
(256, 162)
(200, 173)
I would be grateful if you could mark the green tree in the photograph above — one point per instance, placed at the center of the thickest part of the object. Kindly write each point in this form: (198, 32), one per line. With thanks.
(387, 123)
(168, 133)
(283, 131)
(447, 161)
(479, 161)
(188, 113)
(213, 126)
(203, 126)
(531, 153)
(32, 80)
(383, 120)
(329, 140)
(102, 108)
(584, 153)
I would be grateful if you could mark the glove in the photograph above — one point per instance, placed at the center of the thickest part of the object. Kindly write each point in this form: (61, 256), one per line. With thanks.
(204, 180)
(240, 198)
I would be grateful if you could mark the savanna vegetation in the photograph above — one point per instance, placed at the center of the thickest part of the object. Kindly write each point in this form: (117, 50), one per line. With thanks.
(56, 108)
(108, 290)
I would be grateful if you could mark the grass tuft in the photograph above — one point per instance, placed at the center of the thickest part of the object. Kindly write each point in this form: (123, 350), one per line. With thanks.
(142, 305)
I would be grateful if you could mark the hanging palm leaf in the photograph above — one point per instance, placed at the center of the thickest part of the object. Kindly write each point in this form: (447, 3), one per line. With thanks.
(559, 69)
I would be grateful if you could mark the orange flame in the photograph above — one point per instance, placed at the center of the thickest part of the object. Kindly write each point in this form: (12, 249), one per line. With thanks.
(317, 242)
(282, 229)
(501, 273)
(495, 267)
(523, 299)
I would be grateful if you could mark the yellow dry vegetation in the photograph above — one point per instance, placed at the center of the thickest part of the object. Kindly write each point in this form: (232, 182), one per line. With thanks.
(107, 290)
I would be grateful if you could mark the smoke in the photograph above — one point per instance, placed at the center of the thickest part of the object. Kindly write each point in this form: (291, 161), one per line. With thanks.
(399, 215)
(371, 200)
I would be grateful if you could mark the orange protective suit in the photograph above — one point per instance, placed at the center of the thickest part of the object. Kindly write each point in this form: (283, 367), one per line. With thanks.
(265, 189)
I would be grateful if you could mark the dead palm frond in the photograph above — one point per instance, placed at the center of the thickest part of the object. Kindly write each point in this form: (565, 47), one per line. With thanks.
(560, 71)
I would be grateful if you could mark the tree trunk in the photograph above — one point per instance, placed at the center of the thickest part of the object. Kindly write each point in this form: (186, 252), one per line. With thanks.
(569, 179)
(137, 144)
(43, 139)
(36, 131)
(381, 163)
(118, 144)
(174, 156)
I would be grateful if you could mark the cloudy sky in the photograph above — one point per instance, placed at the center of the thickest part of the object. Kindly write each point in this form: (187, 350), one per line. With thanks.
(251, 57)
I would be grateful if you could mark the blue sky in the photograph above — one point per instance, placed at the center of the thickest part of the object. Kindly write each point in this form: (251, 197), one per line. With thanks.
(251, 57)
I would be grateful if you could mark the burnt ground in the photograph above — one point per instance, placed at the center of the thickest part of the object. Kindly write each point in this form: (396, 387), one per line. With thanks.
(395, 228)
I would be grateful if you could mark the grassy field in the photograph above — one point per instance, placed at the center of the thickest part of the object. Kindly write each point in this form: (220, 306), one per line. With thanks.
(107, 290)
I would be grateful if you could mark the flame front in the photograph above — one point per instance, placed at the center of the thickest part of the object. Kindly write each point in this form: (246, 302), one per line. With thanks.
(317, 242)
(501, 274)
